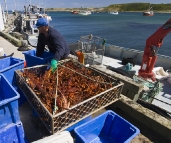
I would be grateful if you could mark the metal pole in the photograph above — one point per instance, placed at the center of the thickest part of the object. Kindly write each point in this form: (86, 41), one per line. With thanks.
(6, 9)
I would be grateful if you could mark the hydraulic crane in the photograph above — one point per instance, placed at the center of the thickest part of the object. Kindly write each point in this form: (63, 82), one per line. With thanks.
(153, 43)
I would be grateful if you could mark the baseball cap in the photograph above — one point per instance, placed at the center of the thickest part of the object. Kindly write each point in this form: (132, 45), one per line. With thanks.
(40, 15)
(41, 22)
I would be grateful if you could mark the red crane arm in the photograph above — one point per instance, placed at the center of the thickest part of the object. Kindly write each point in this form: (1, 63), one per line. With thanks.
(150, 53)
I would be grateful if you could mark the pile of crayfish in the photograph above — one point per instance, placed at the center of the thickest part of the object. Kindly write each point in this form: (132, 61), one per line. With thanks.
(75, 84)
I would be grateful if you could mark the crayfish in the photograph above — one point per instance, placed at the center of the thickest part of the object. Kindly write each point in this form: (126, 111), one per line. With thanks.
(75, 84)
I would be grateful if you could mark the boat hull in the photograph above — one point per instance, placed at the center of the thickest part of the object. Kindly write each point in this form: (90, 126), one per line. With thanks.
(74, 12)
(84, 12)
(146, 14)
(115, 13)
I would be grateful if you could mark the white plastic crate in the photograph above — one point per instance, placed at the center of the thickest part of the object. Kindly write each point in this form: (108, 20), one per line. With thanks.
(62, 137)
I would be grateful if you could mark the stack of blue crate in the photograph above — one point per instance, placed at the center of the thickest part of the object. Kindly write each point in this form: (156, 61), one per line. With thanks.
(11, 128)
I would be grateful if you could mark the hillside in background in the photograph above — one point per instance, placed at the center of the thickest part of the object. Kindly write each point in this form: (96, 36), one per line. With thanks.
(138, 7)
(122, 7)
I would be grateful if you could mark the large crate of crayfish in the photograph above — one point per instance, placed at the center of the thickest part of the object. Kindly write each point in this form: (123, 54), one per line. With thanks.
(67, 95)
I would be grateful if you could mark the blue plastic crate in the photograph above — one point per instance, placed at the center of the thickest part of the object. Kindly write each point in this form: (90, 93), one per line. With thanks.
(8, 103)
(106, 128)
(9, 65)
(13, 133)
(33, 60)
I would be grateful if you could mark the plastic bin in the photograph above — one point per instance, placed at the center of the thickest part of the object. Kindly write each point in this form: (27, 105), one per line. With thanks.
(106, 128)
(8, 103)
(33, 60)
(9, 65)
(13, 133)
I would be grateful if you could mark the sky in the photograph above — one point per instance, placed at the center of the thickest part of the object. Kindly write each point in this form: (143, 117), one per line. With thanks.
(72, 3)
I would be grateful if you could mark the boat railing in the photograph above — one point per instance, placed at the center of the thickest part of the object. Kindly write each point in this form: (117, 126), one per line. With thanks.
(119, 53)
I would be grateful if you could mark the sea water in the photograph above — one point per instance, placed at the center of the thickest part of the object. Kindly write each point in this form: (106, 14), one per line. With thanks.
(127, 29)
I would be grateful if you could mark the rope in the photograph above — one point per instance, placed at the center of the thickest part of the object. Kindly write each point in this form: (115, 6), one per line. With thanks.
(155, 89)
(56, 95)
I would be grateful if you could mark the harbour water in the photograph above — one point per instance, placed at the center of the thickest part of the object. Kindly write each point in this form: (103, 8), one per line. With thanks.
(127, 29)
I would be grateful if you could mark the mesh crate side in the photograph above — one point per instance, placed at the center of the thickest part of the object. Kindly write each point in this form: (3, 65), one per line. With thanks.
(35, 103)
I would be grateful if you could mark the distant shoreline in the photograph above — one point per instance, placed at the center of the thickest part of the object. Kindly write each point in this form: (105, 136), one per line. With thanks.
(62, 10)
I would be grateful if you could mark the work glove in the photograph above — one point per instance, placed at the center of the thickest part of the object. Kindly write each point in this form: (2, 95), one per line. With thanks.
(54, 64)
